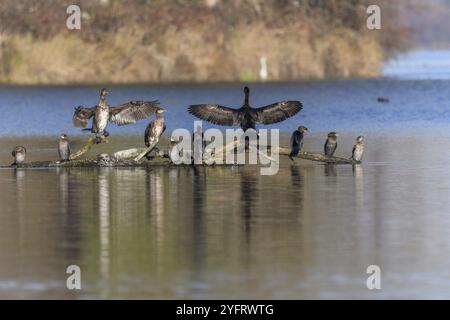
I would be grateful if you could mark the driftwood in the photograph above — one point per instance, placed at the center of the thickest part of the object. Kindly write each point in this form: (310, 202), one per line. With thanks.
(132, 157)
(318, 157)
(84, 149)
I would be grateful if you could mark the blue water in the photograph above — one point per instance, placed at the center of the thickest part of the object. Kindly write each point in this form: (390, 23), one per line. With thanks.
(344, 106)
(309, 231)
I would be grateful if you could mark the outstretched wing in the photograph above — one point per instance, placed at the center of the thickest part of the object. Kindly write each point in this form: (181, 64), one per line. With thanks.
(277, 112)
(215, 114)
(133, 111)
(82, 115)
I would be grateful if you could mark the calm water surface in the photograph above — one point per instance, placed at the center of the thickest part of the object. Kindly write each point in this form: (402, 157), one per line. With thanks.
(227, 232)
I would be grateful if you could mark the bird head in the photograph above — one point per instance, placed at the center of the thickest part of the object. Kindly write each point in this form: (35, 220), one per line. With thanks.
(160, 111)
(103, 92)
(360, 139)
(63, 136)
(303, 129)
(333, 135)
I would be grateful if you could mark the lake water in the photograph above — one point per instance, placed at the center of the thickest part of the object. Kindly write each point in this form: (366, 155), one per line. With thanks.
(310, 231)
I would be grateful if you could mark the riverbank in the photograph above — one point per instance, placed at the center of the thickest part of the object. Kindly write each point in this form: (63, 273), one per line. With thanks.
(189, 41)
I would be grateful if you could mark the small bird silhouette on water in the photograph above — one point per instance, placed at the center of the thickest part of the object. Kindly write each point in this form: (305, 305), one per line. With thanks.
(19, 154)
(358, 149)
(330, 144)
(383, 100)
(64, 148)
(297, 141)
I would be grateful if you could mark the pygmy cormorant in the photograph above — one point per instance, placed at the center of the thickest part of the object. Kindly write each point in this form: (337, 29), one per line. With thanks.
(330, 144)
(19, 154)
(64, 148)
(358, 149)
(297, 141)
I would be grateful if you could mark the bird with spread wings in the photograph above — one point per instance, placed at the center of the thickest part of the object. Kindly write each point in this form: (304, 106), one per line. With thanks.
(246, 117)
(102, 114)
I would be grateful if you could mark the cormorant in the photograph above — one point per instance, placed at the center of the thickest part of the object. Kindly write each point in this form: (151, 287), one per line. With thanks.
(127, 113)
(358, 149)
(155, 129)
(330, 144)
(297, 141)
(19, 154)
(64, 148)
(246, 117)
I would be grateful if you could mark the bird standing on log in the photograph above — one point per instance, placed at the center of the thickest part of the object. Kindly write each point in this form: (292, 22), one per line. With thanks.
(127, 113)
(297, 141)
(331, 144)
(358, 149)
(246, 117)
(155, 129)
(64, 148)
(19, 154)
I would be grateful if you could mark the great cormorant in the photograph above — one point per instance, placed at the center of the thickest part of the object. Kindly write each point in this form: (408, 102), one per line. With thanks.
(246, 117)
(127, 113)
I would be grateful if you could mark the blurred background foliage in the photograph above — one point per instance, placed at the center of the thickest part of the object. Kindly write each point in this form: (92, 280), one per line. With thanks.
(145, 41)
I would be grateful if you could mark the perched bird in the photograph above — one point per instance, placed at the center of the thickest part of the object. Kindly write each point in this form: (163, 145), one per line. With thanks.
(174, 152)
(297, 141)
(154, 129)
(331, 144)
(64, 148)
(127, 113)
(246, 117)
(19, 154)
(358, 149)
(383, 100)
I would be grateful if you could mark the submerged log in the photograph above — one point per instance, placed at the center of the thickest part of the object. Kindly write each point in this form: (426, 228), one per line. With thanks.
(318, 157)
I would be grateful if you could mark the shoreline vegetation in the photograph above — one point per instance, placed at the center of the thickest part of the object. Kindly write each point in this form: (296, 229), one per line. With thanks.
(196, 41)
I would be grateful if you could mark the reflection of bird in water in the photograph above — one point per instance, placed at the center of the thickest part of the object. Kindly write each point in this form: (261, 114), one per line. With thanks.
(358, 149)
(19, 154)
(246, 117)
(330, 170)
(330, 144)
(64, 148)
(127, 113)
(297, 141)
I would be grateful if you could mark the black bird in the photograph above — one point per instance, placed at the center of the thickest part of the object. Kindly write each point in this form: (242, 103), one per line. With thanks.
(297, 141)
(331, 144)
(64, 147)
(358, 149)
(246, 117)
(127, 113)
(19, 154)
(383, 100)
